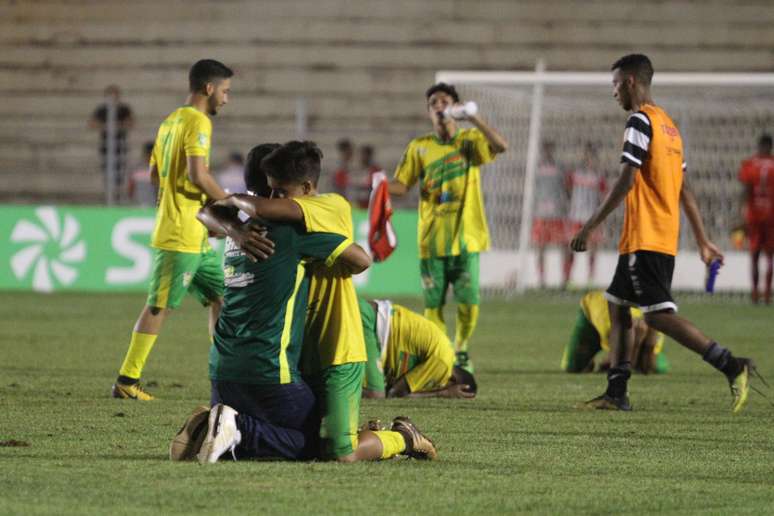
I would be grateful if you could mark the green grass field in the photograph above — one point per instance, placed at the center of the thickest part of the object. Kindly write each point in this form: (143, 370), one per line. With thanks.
(521, 447)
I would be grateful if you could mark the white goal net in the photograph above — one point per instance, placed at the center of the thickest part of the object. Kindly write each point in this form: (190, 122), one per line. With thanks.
(720, 117)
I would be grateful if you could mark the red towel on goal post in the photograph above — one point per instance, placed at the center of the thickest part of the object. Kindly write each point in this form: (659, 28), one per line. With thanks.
(381, 235)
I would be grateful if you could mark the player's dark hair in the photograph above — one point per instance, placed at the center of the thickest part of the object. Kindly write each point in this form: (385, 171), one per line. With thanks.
(344, 145)
(207, 70)
(294, 162)
(637, 65)
(255, 177)
(765, 140)
(446, 88)
(464, 377)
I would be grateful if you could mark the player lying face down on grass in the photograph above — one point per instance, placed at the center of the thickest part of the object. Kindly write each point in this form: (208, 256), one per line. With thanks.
(333, 353)
(409, 356)
(261, 405)
(592, 331)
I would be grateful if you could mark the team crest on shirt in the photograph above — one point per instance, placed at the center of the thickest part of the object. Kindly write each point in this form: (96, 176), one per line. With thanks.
(203, 139)
(187, 277)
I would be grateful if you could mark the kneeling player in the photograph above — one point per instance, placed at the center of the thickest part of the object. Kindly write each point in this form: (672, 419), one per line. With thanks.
(333, 358)
(591, 333)
(409, 356)
(261, 404)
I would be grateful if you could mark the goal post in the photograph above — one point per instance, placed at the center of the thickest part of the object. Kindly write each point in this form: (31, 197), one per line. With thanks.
(720, 116)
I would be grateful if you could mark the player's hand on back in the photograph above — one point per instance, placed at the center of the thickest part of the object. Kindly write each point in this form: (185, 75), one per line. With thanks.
(252, 239)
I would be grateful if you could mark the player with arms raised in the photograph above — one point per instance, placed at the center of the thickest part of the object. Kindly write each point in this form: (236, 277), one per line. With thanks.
(652, 184)
(182, 257)
(452, 225)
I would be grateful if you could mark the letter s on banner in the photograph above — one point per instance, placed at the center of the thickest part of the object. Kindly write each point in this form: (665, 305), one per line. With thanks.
(139, 254)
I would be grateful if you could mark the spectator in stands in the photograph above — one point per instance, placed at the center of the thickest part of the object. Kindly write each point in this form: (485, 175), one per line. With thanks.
(757, 176)
(369, 168)
(124, 122)
(341, 176)
(550, 200)
(140, 188)
(586, 188)
(231, 176)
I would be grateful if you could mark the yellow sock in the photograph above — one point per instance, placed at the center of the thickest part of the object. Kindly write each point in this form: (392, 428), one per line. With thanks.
(139, 349)
(392, 443)
(467, 319)
(435, 316)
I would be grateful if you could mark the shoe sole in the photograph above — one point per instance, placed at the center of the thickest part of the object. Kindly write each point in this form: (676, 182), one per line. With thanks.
(188, 441)
(433, 454)
(738, 406)
(212, 433)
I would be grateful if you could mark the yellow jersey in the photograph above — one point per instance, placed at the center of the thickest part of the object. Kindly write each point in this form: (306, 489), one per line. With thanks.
(333, 325)
(594, 307)
(451, 205)
(185, 132)
(418, 349)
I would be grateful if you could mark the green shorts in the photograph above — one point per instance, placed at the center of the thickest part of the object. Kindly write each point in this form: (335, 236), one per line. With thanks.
(374, 376)
(584, 344)
(338, 390)
(459, 271)
(175, 273)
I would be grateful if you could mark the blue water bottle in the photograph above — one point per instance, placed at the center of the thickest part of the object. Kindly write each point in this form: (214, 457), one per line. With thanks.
(712, 273)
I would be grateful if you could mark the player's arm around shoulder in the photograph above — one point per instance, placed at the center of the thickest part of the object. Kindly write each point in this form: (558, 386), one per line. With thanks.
(224, 222)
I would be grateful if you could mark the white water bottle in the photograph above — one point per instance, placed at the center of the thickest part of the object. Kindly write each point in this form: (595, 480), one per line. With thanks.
(460, 111)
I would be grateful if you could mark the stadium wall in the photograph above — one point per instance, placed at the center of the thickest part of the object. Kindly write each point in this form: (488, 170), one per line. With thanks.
(362, 65)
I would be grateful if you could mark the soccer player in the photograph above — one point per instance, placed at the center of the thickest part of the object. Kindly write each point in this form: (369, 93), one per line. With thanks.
(587, 187)
(266, 408)
(183, 260)
(452, 226)
(592, 331)
(333, 356)
(548, 228)
(757, 176)
(652, 183)
(409, 356)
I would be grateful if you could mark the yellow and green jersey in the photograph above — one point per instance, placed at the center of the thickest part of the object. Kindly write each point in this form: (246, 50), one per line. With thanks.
(451, 205)
(186, 132)
(259, 333)
(402, 343)
(334, 334)
(594, 307)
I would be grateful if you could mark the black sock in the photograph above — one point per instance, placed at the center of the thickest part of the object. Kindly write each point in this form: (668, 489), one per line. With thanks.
(721, 359)
(126, 380)
(617, 380)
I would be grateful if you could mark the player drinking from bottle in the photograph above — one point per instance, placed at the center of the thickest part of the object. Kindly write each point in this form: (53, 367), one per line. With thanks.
(652, 184)
(452, 225)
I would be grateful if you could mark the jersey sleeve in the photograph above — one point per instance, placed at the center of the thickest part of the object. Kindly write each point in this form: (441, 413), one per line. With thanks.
(637, 136)
(328, 213)
(323, 246)
(197, 136)
(482, 152)
(410, 167)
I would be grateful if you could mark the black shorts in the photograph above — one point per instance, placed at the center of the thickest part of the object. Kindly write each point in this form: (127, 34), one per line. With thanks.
(643, 279)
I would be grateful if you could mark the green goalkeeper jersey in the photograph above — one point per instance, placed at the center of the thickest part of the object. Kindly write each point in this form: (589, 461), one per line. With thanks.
(259, 333)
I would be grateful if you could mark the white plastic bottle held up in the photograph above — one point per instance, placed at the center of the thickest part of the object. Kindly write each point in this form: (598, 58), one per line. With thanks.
(459, 111)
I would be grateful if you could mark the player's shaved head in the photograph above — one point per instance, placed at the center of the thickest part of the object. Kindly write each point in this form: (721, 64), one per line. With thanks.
(255, 177)
(207, 71)
(294, 163)
(637, 66)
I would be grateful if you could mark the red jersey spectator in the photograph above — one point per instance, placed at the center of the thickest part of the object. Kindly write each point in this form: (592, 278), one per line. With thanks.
(757, 176)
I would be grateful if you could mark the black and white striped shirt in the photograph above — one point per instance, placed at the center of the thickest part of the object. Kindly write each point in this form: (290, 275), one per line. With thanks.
(637, 136)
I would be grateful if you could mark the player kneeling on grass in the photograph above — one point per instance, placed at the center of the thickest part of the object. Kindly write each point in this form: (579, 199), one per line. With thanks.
(261, 403)
(333, 356)
(409, 356)
(591, 333)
